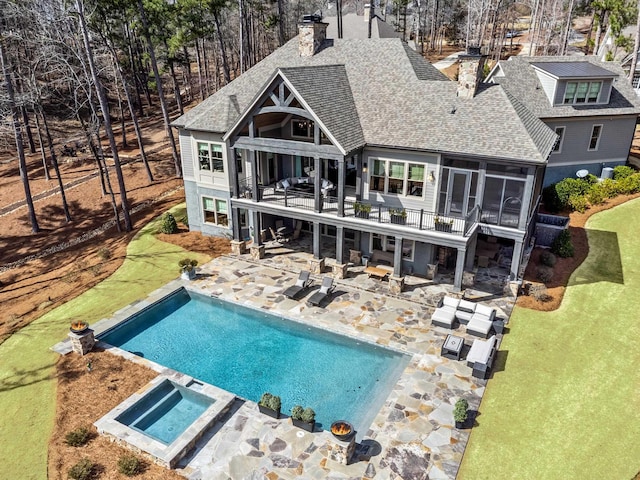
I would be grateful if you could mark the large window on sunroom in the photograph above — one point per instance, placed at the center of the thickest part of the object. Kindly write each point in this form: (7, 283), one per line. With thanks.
(397, 177)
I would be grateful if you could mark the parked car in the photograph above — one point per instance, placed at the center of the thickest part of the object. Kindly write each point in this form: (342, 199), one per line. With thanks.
(513, 34)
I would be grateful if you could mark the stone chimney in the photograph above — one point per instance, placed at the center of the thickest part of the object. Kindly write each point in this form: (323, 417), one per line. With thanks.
(312, 32)
(470, 69)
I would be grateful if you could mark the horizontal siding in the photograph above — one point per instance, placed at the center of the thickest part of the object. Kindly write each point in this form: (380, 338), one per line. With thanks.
(615, 140)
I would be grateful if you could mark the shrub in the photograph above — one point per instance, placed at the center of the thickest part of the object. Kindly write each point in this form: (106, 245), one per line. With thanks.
(550, 199)
(548, 259)
(169, 224)
(630, 184)
(544, 274)
(542, 296)
(622, 171)
(562, 245)
(83, 470)
(296, 412)
(129, 465)
(104, 253)
(596, 195)
(578, 203)
(309, 415)
(591, 179)
(270, 401)
(571, 186)
(609, 188)
(460, 410)
(187, 264)
(77, 437)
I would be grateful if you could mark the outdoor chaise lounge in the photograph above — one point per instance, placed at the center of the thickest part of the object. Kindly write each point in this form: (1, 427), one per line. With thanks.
(481, 356)
(481, 321)
(445, 315)
(300, 286)
(325, 290)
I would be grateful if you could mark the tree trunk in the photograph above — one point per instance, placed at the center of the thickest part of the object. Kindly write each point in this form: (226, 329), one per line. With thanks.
(281, 22)
(636, 47)
(56, 168)
(104, 107)
(174, 79)
(163, 103)
(133, 70)
(45, 167)
(223, 53)
(27, 129)
(18, 137)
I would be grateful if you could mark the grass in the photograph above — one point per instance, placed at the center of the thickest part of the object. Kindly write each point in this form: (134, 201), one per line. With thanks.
(568, 403)
(27, 366)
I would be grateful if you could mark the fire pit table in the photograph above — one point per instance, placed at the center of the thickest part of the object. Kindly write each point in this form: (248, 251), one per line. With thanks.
(452, 347)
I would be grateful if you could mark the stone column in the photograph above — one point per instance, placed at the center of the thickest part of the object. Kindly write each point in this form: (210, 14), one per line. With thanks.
(341, 451)
(257, 252)
(396, 284)
(340, 270)
(316, 265)
(82, 343)
(238, 247)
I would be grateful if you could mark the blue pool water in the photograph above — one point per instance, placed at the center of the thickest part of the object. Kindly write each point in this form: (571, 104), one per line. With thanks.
(165, 412)
(249, 352)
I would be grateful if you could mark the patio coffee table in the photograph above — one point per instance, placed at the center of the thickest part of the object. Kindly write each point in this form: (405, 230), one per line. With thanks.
(379, 273)
(452, 347)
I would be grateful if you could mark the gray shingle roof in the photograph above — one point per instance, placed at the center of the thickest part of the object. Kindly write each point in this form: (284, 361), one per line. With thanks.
(327, 91)
(573, 69)
(400, 100)
(521, 80)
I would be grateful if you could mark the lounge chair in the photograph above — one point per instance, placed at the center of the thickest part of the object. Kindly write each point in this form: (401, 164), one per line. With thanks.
(325, 290)
(300, 286)
(481, 356)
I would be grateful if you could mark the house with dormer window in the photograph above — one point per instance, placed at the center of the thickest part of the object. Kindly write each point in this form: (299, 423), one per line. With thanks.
(364, 146)
(589, 104)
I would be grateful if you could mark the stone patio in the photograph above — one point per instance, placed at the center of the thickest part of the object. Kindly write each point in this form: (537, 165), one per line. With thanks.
(413, 434)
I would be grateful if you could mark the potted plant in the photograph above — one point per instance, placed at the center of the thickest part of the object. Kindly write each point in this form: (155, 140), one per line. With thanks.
(270, 405)
(398, 215)
(304, 418)
(188, 268)
(460, 412)
(442, 225)
(362, 210)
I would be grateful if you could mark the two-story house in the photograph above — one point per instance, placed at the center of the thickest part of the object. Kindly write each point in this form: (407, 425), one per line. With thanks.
(364, 144)
(589, 104)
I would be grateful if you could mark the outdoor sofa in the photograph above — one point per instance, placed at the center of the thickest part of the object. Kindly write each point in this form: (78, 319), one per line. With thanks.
(295, 182)
(445, 315)
(481, 322)
(481, 356)
(479, 318)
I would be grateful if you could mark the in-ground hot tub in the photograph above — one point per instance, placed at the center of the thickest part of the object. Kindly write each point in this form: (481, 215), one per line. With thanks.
(165, 418)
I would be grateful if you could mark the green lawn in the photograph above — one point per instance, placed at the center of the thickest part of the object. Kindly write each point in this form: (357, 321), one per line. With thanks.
(567, 404)
(27, 383)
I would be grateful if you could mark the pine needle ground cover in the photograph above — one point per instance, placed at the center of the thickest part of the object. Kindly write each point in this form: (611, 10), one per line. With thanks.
(27, 366)
(564, 401)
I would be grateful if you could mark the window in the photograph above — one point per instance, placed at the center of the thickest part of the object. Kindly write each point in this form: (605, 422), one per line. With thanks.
(302, 128)
(388, 244)
(595, 137)
(239, 160)
(557, 148)
(582, 92)
(396, 177)
(378, 175)
(215, 211)
(502, 201)
(210, 157)
(636, 80)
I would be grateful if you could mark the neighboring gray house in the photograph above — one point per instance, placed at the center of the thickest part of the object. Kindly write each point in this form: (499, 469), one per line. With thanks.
(588, 103)
(365, 146)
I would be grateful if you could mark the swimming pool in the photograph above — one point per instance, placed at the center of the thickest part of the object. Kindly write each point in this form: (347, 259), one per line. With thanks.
(248, 352)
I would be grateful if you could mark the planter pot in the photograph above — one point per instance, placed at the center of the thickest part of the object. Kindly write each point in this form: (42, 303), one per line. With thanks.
(309, 427)
(398, 219)
(269, 411)
(362, 214)
(188, 274)
(443, 227)
(460, 425)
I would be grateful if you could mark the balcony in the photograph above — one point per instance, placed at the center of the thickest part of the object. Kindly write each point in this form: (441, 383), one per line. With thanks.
(368, 212)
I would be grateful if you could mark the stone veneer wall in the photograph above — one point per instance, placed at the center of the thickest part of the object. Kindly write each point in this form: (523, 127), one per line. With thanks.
(311, 35)
(469, 74)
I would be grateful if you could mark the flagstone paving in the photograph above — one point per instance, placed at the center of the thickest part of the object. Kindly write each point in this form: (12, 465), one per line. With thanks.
(411, 437)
